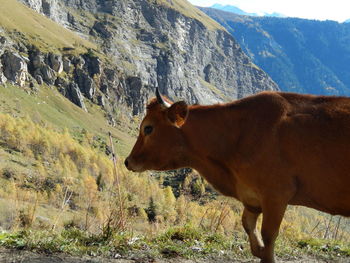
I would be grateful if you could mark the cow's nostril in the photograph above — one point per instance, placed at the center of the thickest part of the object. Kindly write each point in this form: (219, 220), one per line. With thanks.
(126, 162)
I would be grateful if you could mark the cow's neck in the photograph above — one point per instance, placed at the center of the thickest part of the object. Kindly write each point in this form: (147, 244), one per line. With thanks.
(211, 133)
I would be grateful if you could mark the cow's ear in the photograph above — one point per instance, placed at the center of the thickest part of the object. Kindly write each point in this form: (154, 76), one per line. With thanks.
(177, 113)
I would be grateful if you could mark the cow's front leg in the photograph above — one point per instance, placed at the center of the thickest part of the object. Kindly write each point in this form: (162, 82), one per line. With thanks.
(273, 211)
(249, 220)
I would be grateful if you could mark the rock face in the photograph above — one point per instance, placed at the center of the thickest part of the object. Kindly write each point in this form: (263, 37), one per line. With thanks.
(66, 64)
(150, 45)
(45, 68)
(34, 4)
(75, 95)
(178, 54)
(3, 79)
(85, 83)
(14, 68)
(56, 63)
(50, 8)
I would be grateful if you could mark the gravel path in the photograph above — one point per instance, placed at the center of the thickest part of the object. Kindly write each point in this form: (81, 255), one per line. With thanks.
(20, 256)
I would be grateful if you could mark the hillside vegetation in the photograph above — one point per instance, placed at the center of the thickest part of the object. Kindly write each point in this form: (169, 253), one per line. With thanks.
(26, 24)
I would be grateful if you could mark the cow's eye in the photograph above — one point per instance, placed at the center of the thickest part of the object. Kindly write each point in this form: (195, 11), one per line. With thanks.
(148, 130)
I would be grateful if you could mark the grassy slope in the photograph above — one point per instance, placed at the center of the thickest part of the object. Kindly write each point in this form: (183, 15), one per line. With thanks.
(38, 30)
(191, 11)
(50, 106)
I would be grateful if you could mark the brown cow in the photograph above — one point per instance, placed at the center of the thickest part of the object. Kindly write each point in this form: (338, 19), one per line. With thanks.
(268, 150)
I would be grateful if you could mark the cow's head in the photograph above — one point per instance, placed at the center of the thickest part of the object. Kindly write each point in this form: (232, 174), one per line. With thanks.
(161, 143)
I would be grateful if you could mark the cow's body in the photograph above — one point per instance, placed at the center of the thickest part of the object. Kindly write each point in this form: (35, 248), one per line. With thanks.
(267, 150)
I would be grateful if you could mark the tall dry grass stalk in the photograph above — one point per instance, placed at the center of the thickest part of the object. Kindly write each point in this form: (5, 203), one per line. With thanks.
(66, 198)
(116, 218)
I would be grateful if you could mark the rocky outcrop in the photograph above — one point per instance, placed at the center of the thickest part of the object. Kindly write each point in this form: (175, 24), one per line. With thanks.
(74, 94)
(46, 68)
(101, 29)
(3, 79)
(56, 63)
(40, 69)
(46, 73)
(50, 8)
(85, 83)
(67, 64)
(14, 68)
(93, 65)
(36, 5)
(137, 94)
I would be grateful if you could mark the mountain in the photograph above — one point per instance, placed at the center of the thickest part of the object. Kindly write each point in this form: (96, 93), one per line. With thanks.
(135, 46)
(301, 55)
(238, 11)
(274, 14)
(232, 9)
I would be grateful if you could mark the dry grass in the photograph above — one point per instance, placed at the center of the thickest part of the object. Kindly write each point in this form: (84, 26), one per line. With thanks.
(191, 11)
(50, 106)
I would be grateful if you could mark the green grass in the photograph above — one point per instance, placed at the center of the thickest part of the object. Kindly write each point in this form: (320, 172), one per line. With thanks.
(190, 242)
(185, 242)
(77, 242)
(332, 247)
(26, 25)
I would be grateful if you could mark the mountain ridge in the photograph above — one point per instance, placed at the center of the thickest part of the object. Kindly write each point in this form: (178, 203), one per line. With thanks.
(301, 55)
(238, 11)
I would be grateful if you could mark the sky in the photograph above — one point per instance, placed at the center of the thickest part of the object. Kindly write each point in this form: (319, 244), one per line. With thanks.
(338, 10)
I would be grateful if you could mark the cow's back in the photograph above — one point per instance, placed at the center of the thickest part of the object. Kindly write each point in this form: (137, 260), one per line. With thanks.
(314, 137)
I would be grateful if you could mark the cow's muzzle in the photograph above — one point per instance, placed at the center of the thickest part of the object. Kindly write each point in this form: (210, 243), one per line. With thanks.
(131, 166)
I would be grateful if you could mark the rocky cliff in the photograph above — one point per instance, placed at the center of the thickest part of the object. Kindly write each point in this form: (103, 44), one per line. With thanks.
(140, 45)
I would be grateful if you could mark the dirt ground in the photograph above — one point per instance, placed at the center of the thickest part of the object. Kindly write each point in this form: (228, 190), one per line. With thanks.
(20, 256)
